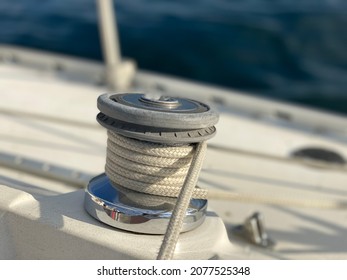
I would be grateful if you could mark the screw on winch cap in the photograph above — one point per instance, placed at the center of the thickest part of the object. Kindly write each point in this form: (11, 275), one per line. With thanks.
(160, 119)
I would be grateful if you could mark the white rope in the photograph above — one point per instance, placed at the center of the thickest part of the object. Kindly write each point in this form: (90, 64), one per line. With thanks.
(148, 167)
(175, 225)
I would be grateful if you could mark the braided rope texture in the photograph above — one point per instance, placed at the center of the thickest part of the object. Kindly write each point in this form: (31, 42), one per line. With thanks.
(147, 167)
(173, 230)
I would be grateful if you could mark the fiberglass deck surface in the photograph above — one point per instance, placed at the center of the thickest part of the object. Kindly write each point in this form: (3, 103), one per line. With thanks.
(52, 119)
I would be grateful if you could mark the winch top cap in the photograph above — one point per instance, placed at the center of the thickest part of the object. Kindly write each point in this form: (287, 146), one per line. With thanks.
(157, 111)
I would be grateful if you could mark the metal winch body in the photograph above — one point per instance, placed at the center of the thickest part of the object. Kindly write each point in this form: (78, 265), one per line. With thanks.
(154, 119)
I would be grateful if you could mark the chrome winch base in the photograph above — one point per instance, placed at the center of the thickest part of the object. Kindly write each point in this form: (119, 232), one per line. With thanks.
(137, 212)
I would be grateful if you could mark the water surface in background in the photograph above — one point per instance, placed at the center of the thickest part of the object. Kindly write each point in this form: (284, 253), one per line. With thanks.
(285, 49)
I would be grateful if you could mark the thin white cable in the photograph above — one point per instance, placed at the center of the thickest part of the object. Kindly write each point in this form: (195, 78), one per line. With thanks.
(292, 201)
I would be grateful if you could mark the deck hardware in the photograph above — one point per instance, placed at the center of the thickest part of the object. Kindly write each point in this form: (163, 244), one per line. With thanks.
(161, 121)
(117, 208)
(188, 121)
(253, 230)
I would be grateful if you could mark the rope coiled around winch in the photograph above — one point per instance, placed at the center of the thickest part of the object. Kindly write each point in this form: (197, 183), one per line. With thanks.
(147, 167)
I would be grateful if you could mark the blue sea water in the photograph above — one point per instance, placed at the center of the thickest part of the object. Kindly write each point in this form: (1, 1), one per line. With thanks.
(284, 49)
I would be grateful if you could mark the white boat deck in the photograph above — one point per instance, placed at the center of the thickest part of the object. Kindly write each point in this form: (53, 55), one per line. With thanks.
(51, 118)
